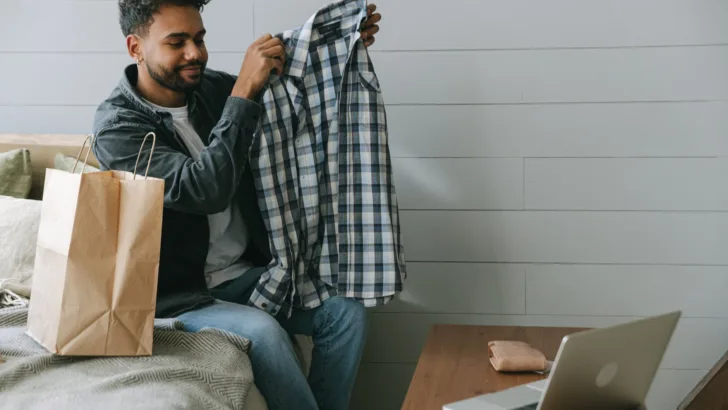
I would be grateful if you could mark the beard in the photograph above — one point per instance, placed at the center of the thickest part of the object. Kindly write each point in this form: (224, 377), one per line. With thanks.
(173, 80)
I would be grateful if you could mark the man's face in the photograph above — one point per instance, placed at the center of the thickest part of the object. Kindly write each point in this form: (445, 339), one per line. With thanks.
(174, 49)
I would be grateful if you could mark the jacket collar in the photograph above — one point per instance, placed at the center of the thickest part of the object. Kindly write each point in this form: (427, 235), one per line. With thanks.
(350, 12)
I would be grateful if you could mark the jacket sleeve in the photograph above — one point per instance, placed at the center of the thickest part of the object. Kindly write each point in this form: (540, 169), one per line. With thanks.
(205, 186)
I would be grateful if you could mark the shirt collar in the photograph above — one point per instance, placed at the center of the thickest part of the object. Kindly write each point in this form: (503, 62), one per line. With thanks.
(350, 12)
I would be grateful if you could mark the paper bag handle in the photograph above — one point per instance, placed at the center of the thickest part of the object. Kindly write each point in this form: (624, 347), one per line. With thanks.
(151, 152)
(85, 160)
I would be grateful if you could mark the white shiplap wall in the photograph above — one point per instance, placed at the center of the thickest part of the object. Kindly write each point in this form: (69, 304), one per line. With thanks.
(558, 163)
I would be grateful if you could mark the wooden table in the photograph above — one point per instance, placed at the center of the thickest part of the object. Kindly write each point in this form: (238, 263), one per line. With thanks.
(454, 363)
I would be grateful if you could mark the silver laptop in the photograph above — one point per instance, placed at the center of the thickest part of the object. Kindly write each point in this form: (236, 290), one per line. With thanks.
(604, 368)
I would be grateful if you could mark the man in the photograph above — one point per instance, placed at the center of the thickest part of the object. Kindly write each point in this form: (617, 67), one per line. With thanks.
(214, 242)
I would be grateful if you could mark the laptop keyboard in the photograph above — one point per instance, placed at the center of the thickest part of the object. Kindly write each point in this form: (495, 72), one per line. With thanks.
(528, 407)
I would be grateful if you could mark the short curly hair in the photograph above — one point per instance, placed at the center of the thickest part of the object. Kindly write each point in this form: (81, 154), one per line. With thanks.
(135, 16)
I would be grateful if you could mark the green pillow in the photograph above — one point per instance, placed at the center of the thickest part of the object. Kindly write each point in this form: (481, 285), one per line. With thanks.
(66, 163)
(16, 176)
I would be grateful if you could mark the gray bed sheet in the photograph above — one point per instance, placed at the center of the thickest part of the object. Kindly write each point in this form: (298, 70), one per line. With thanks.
(209, 369)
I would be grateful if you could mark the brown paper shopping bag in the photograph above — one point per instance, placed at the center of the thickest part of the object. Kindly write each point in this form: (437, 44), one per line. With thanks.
(95, 276)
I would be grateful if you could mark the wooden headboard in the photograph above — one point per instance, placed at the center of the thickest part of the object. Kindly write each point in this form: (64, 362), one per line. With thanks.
(43, 149)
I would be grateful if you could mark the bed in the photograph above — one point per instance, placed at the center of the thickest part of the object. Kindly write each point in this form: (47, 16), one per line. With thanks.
(208, 369)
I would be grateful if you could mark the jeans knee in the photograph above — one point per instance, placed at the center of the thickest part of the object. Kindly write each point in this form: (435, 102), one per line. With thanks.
(348, 314)
(264, 330)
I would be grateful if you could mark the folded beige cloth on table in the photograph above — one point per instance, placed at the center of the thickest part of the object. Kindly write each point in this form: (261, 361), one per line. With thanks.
(514, 356)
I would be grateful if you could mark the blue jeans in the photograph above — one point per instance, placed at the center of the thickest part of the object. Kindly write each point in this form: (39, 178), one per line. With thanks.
(338, 329)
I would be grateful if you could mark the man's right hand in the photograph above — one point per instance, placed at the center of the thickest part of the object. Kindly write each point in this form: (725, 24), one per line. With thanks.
(264, 56)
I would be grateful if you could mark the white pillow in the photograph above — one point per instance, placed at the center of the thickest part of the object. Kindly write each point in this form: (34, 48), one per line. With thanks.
(19, 221)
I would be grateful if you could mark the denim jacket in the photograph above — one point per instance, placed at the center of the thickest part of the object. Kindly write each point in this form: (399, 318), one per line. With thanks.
(193, 189)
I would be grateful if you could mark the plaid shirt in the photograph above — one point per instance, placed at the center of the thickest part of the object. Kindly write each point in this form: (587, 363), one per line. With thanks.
(323, 171)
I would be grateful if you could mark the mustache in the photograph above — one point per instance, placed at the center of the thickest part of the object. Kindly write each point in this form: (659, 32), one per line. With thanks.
(194, 64)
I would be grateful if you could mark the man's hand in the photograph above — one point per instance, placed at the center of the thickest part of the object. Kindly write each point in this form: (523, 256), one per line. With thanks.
(264, 56)
(370, 27)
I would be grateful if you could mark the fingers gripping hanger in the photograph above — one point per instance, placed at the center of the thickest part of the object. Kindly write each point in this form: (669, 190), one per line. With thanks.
(151, 152)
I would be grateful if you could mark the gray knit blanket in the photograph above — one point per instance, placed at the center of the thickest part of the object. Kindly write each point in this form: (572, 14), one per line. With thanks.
(209, 369)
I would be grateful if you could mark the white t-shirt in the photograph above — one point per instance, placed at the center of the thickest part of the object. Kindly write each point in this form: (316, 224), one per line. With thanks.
(228, 233)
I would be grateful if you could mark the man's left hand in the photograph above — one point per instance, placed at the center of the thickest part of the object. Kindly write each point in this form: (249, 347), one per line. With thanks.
(370, 26)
